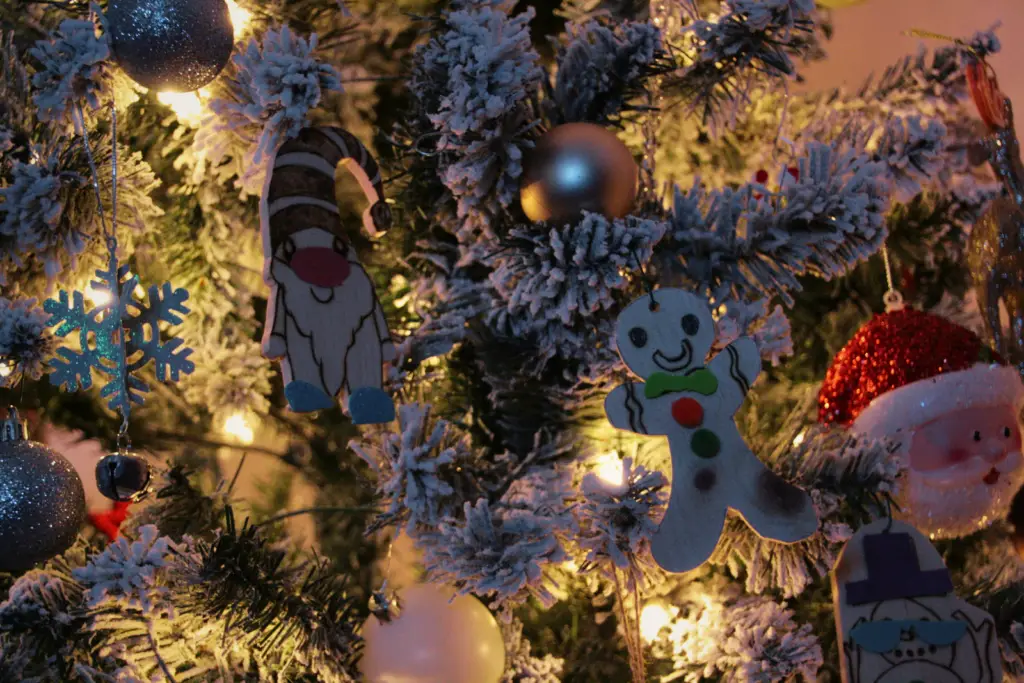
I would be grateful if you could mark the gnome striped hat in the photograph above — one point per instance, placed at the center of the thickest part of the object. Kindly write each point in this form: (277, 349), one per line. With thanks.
(299, 190)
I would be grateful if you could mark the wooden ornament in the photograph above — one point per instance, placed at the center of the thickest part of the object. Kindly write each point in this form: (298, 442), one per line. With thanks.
(664, 339)
(324, 322)
(898, 619)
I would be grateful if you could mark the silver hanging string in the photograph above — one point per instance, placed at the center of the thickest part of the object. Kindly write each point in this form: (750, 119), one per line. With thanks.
(110, 235)
(79, 120)
(893, 299)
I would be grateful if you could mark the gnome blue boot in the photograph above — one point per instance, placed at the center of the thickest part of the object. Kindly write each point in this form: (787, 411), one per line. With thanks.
(304, 397)
(370, 405)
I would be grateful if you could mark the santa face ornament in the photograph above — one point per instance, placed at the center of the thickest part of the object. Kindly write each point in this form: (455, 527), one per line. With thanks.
(898, 619)
(324, 322)
(948, 405)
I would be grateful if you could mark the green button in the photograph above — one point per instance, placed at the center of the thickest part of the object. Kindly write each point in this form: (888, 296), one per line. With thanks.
(705, 443)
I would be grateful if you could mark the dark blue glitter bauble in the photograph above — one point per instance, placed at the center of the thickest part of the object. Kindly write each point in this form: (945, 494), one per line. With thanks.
(42, 502)
(170, 45)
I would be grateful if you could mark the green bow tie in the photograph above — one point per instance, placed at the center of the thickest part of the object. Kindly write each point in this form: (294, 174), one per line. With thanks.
(701, 381)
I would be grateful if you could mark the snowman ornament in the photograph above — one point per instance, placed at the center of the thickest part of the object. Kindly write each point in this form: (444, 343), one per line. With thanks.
(664, 339)
(898, 618)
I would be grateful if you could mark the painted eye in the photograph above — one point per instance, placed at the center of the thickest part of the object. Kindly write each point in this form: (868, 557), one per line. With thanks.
(288, 248)
(977, 435)
(691, 324)
(1006, 432)
(339, 245)
(638, 336)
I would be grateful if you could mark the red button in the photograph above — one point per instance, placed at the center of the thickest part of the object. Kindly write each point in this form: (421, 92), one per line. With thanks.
(688, 412)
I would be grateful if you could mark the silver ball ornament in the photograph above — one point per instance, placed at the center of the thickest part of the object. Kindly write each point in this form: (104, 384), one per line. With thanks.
(170, 45)
(123, 477)
(578, 167)
(42, 502)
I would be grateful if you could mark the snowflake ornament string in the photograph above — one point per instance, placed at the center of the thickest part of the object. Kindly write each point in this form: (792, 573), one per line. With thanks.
(117, 338)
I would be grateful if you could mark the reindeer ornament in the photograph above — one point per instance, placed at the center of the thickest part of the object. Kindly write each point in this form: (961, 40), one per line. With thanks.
(324, 322)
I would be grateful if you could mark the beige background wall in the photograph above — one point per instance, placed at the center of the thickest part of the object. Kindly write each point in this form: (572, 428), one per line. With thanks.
(869, 36)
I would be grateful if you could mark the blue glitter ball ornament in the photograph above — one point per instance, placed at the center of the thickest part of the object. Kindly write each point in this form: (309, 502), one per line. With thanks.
(170, 45)
(42, 502)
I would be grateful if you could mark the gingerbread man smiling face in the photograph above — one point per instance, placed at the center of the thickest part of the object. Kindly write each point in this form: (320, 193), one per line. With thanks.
(667, 332)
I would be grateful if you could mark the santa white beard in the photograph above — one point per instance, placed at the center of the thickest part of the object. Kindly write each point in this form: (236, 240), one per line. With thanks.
(936, 504)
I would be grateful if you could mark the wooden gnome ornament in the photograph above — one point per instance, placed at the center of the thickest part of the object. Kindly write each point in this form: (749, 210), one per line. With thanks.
(664, 339)
(898, 619)
(324, 322)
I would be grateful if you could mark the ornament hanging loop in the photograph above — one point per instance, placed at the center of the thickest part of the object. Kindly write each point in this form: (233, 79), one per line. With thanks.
(893, 299)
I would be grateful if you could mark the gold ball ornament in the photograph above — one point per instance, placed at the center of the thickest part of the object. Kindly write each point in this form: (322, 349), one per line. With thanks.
(431, 638)
(578, 167)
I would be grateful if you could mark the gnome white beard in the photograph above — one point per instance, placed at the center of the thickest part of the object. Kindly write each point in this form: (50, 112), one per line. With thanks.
(320, 325)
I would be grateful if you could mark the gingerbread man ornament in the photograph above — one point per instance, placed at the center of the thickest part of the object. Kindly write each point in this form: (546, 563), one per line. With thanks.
(664, 338)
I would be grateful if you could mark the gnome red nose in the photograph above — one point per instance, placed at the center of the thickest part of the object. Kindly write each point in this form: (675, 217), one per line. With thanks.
(320, 266)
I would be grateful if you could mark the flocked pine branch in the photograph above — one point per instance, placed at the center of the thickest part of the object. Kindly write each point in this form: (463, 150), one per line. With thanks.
(276, 83)
(555, 284)
(616, 522)
(33, 223)
(74, 69)
(602, 68)
(493, 553)
(822, 224)
(751, 42)
(523, 667)
(25, 341)
(421, 477)
(473, 83)
(740, 640)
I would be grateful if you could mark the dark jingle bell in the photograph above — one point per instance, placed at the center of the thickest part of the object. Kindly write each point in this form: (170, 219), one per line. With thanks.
(123, 477)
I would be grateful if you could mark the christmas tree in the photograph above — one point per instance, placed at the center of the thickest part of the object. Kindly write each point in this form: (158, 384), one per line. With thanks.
(565, 232)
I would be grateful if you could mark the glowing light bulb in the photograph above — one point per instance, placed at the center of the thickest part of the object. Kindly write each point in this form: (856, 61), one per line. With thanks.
(98, 297)
(237, 426)
(608, 469)
(240, 18)
(799, 438)
(653, 618)
(187, 106)
(6, 368)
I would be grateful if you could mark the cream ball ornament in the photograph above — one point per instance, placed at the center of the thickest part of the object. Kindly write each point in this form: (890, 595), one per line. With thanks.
(434, 637)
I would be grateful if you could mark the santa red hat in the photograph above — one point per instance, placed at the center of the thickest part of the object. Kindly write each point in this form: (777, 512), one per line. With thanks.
(906, 368)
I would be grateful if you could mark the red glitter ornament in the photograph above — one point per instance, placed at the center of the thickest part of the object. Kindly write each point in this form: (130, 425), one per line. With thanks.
(893, 350)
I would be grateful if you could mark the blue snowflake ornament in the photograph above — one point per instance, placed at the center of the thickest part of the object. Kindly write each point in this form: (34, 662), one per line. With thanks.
(118, 337)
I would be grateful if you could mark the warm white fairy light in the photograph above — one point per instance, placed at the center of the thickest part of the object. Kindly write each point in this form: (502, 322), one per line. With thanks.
(98, 297)
(240, 18)
(799, 438)
(608, 468)
(654, 617)
(187, 106)
(5, 368)
(237, 426)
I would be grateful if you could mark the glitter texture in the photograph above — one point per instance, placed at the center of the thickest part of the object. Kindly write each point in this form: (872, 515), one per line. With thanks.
(893, 350)
(42, 504)
(171, 45)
